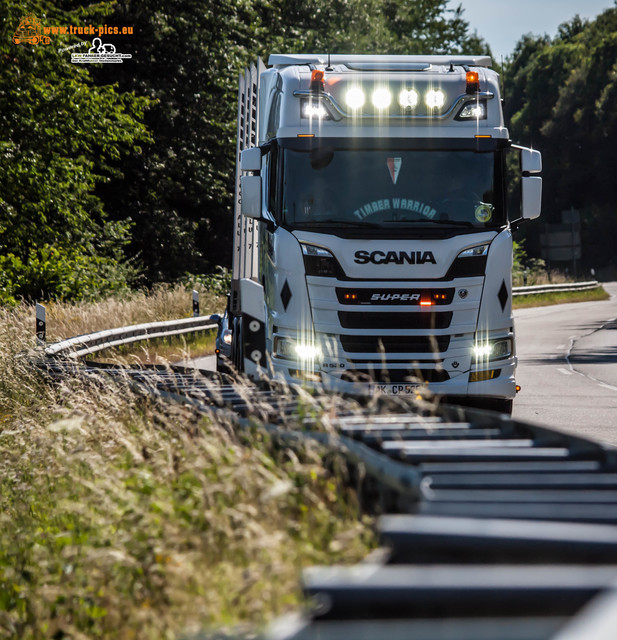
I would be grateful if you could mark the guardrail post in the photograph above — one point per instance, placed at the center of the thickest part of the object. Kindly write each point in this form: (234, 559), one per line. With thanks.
(195, 304)
(41, 325)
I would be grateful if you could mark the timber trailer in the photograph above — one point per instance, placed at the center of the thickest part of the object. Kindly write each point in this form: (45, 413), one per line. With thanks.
(372, 247)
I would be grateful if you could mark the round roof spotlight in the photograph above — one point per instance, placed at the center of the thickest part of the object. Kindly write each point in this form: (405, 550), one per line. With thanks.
(435, 99)
(408, 98)
(355, 98)
(381, 99)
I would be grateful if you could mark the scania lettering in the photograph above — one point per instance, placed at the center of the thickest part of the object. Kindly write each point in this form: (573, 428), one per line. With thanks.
(372, 245)
(397, 257)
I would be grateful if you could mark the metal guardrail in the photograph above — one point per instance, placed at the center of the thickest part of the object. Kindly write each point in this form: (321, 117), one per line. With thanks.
(92, 342)
(549, 288)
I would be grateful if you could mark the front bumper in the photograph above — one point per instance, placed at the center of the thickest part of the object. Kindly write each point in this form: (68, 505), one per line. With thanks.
(502, 385)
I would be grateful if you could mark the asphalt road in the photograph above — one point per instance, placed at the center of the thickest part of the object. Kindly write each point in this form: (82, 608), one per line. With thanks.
(568, 367)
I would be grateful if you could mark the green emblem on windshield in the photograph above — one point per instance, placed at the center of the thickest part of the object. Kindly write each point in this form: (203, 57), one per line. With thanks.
(484, 212)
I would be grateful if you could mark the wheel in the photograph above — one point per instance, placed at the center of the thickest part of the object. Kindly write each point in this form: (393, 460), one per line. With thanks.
(501, 405)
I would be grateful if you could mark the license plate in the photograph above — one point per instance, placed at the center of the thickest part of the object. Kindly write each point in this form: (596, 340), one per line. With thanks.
(394, 389)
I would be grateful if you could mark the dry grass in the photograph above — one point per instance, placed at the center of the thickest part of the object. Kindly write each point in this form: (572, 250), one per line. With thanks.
(125, 518)
(164, 303)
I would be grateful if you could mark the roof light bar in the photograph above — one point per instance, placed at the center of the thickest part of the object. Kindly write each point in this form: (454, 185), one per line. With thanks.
(435, 99)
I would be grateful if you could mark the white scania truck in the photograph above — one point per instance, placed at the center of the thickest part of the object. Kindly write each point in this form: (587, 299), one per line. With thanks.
(372, 247)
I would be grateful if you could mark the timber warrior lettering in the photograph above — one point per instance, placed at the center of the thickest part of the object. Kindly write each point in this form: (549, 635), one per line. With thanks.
(394, 257)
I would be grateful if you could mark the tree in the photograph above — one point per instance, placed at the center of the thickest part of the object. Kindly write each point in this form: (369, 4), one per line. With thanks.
(188, 60)
(564, 94)
(58, 137)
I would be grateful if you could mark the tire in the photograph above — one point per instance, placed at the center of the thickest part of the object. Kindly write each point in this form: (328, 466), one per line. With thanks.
(501, 405)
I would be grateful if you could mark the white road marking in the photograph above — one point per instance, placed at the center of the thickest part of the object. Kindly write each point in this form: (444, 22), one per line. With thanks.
(562, 370)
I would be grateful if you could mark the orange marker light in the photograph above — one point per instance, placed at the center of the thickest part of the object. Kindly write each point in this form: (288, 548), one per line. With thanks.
(473, 81)
(317, 81)
(425, 302)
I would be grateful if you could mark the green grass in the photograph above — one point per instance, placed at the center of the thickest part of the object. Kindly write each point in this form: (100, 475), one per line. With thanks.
(123, 517)
(559, 297)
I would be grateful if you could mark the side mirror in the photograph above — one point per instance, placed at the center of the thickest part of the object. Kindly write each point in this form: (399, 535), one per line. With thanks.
(531, 161)
(532, 197)
(250, 159)
(531, 185)
(250, 193)
(250, 186)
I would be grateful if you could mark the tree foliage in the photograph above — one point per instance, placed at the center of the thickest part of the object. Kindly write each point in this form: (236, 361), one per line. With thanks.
(59, 137)
(106, 166)
(188, 59)
(563, 101)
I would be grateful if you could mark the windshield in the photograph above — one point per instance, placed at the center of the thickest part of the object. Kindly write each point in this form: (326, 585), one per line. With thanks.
(382, 188)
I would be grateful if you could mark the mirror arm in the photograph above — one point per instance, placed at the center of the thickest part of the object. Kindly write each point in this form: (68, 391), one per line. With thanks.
(515, 224)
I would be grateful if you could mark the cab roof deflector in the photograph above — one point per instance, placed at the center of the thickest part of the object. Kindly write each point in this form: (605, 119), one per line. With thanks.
(384, 61)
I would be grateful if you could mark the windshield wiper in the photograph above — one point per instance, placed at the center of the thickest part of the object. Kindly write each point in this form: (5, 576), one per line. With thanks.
(454, 223)
(340, 223)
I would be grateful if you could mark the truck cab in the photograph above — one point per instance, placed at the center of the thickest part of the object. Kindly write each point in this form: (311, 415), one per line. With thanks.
(373, 248)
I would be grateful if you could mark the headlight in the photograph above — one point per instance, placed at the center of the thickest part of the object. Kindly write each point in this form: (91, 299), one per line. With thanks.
(493, 349)
(290, 349)
(472, 111)
(474, 252)
(319, 262)
(314, 109)
(227, 336)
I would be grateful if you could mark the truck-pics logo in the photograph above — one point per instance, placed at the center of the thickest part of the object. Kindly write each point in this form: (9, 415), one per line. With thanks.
(30, 31)
(395, 257)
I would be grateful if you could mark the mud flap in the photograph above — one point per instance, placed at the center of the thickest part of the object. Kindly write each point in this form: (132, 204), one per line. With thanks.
(253, 316)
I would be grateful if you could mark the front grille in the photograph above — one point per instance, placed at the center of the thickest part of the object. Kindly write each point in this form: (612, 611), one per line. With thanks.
(395, 375)
(395, 344)
(394, 320)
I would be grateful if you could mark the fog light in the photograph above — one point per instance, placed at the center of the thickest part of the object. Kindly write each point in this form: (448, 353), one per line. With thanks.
(305, 375)
(480, 376)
